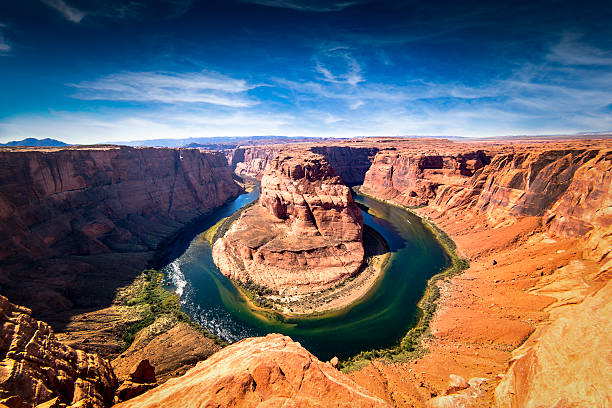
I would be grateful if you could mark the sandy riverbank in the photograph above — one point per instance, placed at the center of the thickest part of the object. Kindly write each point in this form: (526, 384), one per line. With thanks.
(346, 293)
(333, 300)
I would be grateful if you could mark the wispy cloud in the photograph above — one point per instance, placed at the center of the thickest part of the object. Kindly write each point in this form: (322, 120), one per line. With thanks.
(70, 13)
(308, 5)
(5, 46)
(571, 51)
(78, 127)
(166, 87)
(120, 9)
(346, 68)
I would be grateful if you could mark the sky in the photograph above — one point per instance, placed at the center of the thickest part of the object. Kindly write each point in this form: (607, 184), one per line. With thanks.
(92, 71)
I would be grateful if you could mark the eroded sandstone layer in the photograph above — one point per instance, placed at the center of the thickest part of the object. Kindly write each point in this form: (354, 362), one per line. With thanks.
(77, 223)
(35, 367)
(351, 160)
(304, 235)
(527, 325)
(271, 371)
(536, 226)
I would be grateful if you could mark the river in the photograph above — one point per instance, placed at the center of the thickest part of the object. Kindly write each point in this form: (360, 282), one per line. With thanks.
(378, 320)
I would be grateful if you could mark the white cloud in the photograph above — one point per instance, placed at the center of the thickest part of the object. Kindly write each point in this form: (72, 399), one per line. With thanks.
(351, 76)
(89, 128)
(570, 51)
(70, 13)
(308, 5)
(167, 87)
(331, 119)
(356, 104)
(5, 46)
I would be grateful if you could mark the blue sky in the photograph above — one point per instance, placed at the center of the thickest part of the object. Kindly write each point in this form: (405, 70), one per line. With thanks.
(88, 71)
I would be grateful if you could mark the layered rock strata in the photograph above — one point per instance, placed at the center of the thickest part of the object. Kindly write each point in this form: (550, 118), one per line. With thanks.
(350, 162)
(413, 178)
(304, 235)
(70, 216)
(271, 371)
(36, 368)
(548, 206)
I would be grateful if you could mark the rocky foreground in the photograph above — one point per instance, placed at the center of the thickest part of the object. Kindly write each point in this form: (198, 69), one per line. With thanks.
(527, 325)
(271, 371)
(303, 236)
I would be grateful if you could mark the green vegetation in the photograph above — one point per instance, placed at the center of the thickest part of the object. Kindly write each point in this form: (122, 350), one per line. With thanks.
(152, 301)
(411, 345)
(220, 228)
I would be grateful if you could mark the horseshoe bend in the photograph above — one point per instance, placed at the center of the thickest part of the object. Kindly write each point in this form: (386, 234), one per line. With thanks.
(518, 314)
(303, 236)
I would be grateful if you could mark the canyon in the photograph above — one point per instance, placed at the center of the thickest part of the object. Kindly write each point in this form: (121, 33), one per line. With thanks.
(303, 236)
(528, 324)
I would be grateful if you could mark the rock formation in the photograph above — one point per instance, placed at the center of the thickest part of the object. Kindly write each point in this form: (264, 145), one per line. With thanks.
(412, 178)
(69, 213)
(305, 234)
(35, 367)
(271, 371)
(547, 205)
(252, 161)
(351, 161)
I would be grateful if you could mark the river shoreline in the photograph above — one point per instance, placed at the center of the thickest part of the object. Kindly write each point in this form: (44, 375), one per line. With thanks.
(411, 345)
(331, 302)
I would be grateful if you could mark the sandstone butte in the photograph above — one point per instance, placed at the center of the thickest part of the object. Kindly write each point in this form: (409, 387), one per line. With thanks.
(527, 325)
(303, 236)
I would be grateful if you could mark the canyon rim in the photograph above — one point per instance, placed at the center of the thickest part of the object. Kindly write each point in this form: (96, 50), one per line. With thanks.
(290, 203)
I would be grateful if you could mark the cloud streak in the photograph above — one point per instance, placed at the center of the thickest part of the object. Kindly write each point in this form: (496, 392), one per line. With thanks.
(170, 88)
(5, 46)
(70, 13)
(318, 6)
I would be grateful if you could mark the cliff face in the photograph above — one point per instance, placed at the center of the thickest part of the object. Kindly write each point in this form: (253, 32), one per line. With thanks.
(77, 223)
(85, 202)
(35, 367)
(306, 190)
(351, 163)
(413, 178)
(271, 371)
(303, 236)
(252, 161)
(550, 208)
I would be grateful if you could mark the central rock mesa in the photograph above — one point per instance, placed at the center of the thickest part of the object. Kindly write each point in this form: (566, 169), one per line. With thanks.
(303, 236)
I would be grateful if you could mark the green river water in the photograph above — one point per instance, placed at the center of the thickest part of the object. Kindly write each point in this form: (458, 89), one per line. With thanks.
(378, 320)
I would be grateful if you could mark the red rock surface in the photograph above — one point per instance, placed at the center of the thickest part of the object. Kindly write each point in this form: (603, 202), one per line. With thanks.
(535, 224)
(35, 367)
(271, 371)
(70, 216)
(304, 235)
(412, 178)
(252, 161)
(350, 160)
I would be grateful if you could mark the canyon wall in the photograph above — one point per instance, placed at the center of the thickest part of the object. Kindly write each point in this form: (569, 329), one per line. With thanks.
(252, 161)
(412, 178)
(350, 162)
(537, 225)
(77, 223)
(304, 235)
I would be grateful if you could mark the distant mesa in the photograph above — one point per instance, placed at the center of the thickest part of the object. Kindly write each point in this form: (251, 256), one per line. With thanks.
(35, 142)
(304, 235)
